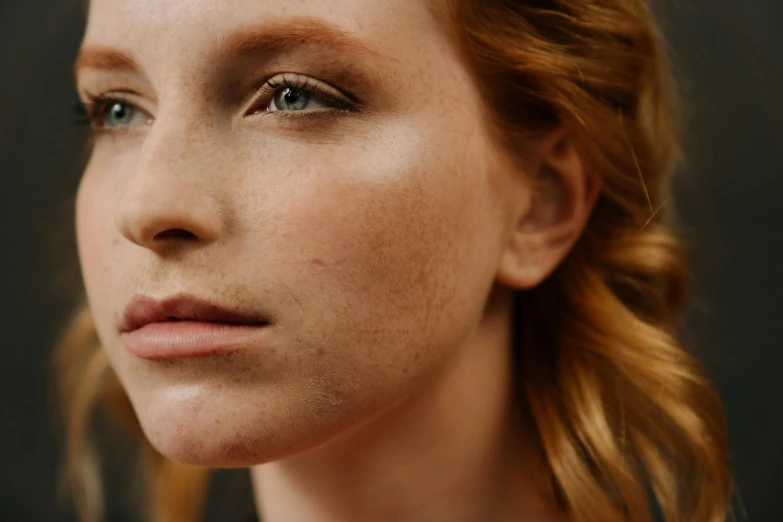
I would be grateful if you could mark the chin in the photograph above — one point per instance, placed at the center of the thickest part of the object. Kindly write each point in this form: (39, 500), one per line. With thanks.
(218, 427)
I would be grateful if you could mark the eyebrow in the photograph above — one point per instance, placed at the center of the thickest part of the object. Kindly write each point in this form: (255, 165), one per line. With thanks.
(254, 40)
(104, 57)
(275, 37)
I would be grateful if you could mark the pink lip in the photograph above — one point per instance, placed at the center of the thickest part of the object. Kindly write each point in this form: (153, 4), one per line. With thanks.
(186, 326)
(180, 339)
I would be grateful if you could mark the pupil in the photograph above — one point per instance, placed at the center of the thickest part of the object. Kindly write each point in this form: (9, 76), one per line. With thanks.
(291, 96)
(118, 111)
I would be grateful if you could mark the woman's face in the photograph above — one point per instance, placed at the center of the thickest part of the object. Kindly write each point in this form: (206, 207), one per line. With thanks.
(364, 217)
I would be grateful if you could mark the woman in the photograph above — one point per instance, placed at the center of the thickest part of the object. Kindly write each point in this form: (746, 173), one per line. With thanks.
(403, 259)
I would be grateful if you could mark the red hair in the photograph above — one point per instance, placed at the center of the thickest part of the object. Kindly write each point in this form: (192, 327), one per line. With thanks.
(619, 405)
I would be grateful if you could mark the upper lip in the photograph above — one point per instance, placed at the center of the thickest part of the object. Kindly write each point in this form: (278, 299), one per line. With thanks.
(143, 310)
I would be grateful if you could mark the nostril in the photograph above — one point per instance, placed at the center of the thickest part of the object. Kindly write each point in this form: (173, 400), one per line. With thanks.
(175, 232)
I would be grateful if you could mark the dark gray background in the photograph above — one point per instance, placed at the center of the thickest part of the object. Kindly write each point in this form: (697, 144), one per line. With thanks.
(729, 57)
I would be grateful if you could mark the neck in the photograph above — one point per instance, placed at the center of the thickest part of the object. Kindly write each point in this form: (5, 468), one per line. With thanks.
(456, 451)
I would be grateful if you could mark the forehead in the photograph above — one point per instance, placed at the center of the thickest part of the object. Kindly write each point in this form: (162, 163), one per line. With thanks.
(187, 27)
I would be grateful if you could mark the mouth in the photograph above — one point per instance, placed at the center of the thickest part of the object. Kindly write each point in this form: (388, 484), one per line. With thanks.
(185, 326)
(143, 310)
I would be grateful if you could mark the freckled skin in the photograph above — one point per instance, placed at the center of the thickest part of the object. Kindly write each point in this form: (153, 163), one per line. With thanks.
(373, 241)
(374, 251)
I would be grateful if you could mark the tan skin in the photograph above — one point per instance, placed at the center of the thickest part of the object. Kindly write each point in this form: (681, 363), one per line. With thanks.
(384, 242)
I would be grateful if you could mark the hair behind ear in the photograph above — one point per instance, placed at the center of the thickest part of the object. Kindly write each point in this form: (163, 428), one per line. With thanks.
(618, 402)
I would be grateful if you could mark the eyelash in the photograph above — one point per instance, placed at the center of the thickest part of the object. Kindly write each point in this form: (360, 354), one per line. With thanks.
(93, 111)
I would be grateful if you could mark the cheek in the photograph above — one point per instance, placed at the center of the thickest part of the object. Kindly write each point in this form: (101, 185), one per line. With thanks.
(108, 273)
(391, 250)
(94, 224)
(97, 198)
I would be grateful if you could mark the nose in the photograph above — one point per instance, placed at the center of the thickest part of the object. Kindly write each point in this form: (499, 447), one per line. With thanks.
(173, 194)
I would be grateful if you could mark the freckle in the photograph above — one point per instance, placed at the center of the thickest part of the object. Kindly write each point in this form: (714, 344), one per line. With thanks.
(320, 351)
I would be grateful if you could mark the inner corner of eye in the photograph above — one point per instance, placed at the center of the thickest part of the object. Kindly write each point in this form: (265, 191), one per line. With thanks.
(262, 108)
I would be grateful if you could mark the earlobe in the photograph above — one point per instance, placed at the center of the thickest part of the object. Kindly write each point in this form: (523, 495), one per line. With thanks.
(545, 231)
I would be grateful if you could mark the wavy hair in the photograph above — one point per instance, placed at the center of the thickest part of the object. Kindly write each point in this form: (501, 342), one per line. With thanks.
(625, 416)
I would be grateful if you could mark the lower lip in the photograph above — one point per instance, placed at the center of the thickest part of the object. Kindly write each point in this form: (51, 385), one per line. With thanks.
(181, 339)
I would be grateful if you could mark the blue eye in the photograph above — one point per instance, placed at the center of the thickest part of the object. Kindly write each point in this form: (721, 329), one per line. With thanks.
(118, 113)
(293, 98)
(106, 112)
(296, 93)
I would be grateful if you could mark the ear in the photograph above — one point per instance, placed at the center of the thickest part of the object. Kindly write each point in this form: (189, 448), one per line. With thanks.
(547, 222)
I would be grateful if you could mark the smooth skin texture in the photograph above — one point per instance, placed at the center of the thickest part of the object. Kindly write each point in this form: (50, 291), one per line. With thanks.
(383, 243)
